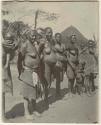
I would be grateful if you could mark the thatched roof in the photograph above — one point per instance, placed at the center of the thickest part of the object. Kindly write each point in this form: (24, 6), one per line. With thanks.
(72, 30)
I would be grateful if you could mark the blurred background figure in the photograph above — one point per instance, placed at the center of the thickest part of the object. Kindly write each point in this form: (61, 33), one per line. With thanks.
(90, 58)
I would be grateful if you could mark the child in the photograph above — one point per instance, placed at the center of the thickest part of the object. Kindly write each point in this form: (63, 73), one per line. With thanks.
(80, 77)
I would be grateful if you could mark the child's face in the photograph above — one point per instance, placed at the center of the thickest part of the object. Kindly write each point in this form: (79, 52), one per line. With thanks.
(58, 38)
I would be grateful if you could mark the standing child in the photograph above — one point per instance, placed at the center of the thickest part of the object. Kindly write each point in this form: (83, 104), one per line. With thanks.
(80, 78)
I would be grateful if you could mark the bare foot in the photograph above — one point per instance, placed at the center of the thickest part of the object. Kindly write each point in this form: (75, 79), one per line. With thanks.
(29, 117)
(37, 114)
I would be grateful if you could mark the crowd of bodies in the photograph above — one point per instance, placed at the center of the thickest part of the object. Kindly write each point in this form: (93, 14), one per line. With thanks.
(43, 59)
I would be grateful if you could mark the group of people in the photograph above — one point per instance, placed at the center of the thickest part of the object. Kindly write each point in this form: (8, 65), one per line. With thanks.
(42, 59)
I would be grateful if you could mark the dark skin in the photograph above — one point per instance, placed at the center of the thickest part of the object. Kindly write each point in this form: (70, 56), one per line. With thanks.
(92, 52)
(73, 39)
(61, 49)
(72, 53)
(58, 38)
(49, 34)
(32, 40)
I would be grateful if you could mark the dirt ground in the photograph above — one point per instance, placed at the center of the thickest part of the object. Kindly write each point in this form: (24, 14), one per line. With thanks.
(76, 109)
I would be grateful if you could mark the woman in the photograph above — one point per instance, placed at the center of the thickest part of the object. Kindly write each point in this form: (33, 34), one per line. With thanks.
(29, 76)
(8, 47)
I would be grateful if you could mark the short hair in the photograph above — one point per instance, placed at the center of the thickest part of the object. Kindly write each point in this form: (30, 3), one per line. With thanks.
(72, 36)
(48, 28)
(58, 34)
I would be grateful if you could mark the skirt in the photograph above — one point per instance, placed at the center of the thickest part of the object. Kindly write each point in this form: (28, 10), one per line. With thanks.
(28, 89)
(71, 71)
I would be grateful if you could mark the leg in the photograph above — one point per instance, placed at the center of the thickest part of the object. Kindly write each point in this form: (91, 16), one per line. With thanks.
(3, 99)
(3, 104)
(93, 85)
(27, 109)
(26, 105)
(19, 71)
(58, 82)
(33, 109)
(31, 105)
(71, 86)
(45, 78)
(48, 74)
(71, 77)
(88, 85)
(79, 89)
(62, 75)
(33, 101)
(92, 82)
(76, 89)
(45, 89)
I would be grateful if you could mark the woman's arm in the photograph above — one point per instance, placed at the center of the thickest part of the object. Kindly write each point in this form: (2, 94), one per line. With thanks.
(7, 60)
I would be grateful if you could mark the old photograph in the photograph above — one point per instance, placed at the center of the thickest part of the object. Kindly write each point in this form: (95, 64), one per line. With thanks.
(50, 57)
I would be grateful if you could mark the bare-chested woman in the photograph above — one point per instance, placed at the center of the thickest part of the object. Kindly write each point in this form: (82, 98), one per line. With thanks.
(30, 74)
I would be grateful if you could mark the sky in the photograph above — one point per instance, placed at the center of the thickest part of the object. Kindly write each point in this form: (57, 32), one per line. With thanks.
(83, 15)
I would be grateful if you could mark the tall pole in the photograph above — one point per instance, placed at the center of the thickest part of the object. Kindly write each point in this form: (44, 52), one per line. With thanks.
(36, 17)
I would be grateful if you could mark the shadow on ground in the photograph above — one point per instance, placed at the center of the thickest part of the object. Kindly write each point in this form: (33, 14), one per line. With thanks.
(18, 109)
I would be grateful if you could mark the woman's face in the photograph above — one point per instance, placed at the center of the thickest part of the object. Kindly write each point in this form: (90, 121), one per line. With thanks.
(33, 37)
(49, 33)
(73, 39)
(9, 37)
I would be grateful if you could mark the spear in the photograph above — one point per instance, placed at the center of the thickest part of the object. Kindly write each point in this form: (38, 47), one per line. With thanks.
(36, 17)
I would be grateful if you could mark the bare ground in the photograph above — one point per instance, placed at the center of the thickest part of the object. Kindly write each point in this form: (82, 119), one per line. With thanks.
(76, 109)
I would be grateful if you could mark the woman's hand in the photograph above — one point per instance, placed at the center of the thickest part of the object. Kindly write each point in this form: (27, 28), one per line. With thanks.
(6, 66)
(7, 61)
